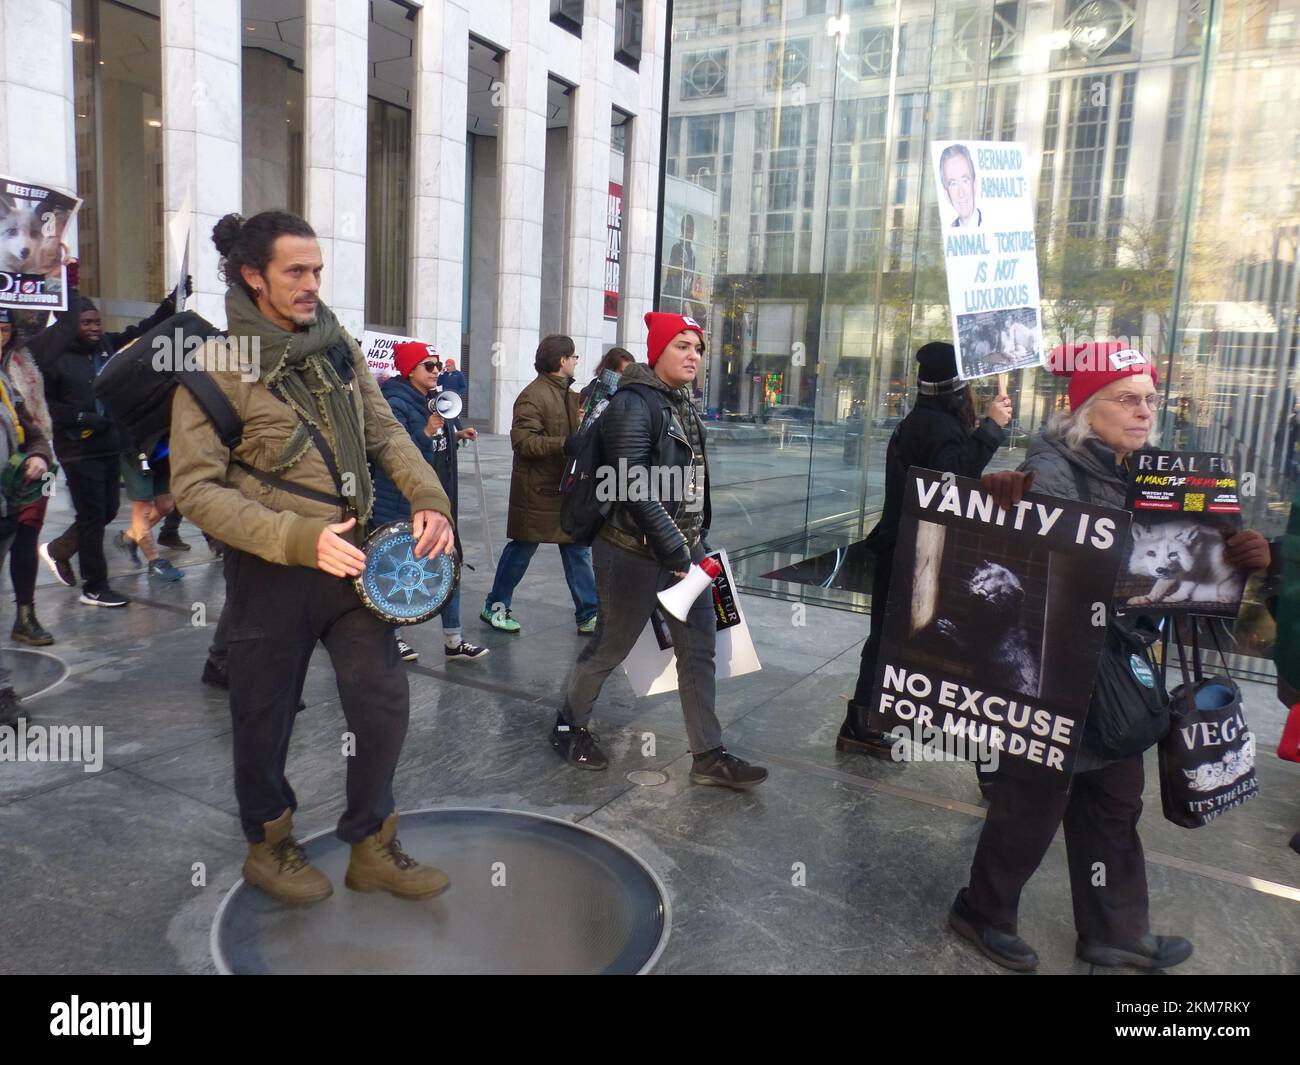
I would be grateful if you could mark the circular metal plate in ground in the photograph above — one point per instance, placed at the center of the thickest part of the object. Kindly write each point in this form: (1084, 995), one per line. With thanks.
(34, 672)
(647, 778)
(529, 894)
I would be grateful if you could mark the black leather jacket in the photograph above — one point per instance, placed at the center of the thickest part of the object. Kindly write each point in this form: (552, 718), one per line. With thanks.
(640, 428)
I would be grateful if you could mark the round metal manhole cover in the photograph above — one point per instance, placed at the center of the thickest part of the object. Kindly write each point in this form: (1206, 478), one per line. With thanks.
(529, 894)
(647, 778)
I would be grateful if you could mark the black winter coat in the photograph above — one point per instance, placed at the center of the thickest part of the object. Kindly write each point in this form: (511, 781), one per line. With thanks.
(639, 427)
(933, 437)
(70, 368)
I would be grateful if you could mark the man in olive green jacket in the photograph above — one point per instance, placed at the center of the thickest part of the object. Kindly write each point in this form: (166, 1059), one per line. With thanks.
(545, 413)
(291, 526)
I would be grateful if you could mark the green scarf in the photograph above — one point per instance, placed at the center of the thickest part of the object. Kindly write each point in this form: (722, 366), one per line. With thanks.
(296, 368)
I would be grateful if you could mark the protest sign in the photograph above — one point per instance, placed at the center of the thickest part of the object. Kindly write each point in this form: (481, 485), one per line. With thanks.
(1184, 504)
(377, 348)
(993, 626)
(990, 254)
(652, 664)
(33, 219)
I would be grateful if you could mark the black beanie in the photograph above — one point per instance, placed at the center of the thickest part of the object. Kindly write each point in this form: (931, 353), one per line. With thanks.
(938, 361)
(85, 303)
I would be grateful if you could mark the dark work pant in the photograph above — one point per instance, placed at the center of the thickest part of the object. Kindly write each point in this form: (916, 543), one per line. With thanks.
(220, 648)
(627, 587)
(94, 487)
(1100, 814)
(276, 615)
(862, 694)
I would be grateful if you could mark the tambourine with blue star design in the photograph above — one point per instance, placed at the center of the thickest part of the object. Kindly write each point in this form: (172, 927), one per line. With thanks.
(398, 587)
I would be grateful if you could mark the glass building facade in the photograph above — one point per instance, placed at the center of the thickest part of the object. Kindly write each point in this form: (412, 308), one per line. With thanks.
(801, 226)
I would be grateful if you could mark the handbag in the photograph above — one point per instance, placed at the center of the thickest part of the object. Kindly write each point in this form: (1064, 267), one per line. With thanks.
(1129, 712)
(1207, 760)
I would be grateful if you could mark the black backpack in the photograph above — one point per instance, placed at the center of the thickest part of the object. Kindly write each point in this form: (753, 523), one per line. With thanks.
(581, 512)
(137, 384)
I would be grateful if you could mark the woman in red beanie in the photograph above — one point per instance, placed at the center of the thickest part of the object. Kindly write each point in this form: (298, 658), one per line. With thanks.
(651, 428)
(1083, 455)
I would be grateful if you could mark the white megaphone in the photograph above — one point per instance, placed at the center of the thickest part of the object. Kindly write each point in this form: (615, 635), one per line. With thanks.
(447, 404)
(679, 599)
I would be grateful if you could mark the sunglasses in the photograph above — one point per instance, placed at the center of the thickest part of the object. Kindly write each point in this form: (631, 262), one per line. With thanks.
(432, 367)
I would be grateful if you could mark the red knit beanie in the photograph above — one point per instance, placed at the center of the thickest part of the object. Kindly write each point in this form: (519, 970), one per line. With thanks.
(409, 354)
(663, 327)
(1093, 365)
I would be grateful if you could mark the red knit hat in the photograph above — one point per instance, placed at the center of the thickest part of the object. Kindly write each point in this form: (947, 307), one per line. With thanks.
(663, 327)
(1093, 365)
(409, 354)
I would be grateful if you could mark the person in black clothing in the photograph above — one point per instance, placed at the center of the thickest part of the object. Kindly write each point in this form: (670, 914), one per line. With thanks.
(940, 433)
(71, 353)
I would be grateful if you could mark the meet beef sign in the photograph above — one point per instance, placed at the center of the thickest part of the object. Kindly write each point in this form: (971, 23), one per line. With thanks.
(995, 622)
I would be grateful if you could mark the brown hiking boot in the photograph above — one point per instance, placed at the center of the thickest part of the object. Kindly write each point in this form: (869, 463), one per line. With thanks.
(379, 864)
(279, 866)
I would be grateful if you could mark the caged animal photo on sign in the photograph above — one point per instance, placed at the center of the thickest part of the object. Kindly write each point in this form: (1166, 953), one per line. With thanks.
(1179, 564)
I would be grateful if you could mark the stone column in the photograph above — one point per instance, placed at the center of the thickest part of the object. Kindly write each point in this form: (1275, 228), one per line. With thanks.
(37, 132)
(201, 135)
(589, 135)
(336, 69)
(438, 204)
(522, 145)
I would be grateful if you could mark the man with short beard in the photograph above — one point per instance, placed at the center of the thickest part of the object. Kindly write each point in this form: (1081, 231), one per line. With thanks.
(291, 502)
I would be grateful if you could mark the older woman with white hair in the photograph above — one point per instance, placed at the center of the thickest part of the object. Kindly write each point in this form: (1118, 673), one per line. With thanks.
(1082, 455)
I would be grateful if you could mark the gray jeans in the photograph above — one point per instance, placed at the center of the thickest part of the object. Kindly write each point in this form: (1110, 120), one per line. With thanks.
(626, 587)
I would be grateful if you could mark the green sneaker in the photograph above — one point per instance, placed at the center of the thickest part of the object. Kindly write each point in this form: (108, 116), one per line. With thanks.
(498, 617)
(588, 626)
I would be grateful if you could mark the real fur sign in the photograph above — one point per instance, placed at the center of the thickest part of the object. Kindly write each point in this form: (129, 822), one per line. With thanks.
(1184, 504)
(995, 622)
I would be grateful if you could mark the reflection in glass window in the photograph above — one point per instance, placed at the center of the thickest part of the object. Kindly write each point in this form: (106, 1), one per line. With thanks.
(704, 74)
(117, 67)
(271, 76)
(388, 193)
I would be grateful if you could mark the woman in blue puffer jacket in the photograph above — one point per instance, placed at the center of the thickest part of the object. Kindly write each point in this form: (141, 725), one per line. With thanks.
(408, 395)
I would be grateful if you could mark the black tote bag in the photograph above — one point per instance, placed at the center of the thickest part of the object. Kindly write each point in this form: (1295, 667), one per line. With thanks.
(1207, 760)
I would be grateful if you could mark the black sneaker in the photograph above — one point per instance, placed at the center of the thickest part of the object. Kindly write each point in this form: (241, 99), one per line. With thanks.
(465, 652)
(1149, 952)
(726, 770)
(107, 597)
(171, 538)
(1007, 950)
(578, 747)
(406, 652)
(60, 567)
(215, 675)
(128, 547)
